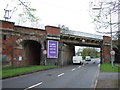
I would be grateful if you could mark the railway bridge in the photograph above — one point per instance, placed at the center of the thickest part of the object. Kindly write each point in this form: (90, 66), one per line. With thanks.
(50, 46)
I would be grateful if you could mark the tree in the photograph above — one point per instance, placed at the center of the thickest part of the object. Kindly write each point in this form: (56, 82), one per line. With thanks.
(107, 16)
(88, 52)
(63, 27)
(79, 52)
(106, 9)
(28, 13)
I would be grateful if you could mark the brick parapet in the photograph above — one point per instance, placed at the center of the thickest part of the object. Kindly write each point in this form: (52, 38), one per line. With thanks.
(52, 30)
(6, 24)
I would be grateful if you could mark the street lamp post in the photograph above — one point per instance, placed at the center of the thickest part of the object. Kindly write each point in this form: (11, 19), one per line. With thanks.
(112, 57)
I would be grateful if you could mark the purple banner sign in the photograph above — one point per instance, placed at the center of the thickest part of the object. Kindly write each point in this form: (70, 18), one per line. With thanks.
(52, 49)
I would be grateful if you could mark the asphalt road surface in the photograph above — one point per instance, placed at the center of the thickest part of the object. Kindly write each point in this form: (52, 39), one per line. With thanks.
(72, 76)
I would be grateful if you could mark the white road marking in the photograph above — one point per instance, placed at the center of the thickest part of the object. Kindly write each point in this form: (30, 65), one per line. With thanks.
(60, 74)
(95, 83)
(79, 67)
(97, 76)
(96, 79)
(73, 69)
(33, 86)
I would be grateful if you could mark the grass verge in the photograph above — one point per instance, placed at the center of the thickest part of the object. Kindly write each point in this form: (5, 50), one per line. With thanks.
(107, 67)
(19, 71)
(11, 67)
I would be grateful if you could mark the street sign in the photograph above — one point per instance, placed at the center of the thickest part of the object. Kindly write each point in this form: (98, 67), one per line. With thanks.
(112, 52)
(44, 52)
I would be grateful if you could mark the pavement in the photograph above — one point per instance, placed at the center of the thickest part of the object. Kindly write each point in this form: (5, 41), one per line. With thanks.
(108, 80)
(117, 64)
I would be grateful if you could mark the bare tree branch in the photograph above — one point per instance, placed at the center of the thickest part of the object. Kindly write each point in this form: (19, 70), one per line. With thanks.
(102, 19)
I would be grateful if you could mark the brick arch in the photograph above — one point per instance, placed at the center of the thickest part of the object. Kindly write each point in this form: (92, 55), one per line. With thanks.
(20, 40)
(21, 50)
(32, 52)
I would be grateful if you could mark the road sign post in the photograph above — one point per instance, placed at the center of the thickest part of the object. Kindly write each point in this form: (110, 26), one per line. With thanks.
(112, 53)
(45, 52)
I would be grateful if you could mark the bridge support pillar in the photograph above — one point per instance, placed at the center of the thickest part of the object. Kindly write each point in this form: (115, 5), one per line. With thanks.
(106, 49)
(67, 53)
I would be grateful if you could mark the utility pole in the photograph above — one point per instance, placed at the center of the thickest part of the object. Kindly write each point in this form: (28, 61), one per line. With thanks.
(111, 45)
(110, 23)
(118, 23)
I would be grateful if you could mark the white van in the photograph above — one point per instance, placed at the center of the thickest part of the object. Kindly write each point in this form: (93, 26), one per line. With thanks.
(77, 60)
(88, 58)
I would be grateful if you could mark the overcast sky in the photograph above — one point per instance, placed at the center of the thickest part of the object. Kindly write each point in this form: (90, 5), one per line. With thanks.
(71, 13)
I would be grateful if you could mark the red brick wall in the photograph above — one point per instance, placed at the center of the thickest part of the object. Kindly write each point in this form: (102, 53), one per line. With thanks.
(106, 53)
(10, 46)
(106, 49)
(5, 24)
(27, 29)
(52, 30)
(19, 53)
(7, 47)
(106, 38)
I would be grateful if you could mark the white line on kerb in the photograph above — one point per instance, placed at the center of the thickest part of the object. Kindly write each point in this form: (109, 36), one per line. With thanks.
(95, 83)
(97, 72)
(33, 86)
(73, 69)
(60, 74)
(98, 65)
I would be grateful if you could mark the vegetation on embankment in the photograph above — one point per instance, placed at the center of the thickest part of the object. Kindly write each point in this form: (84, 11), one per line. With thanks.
(16, 71)
(107, 67)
